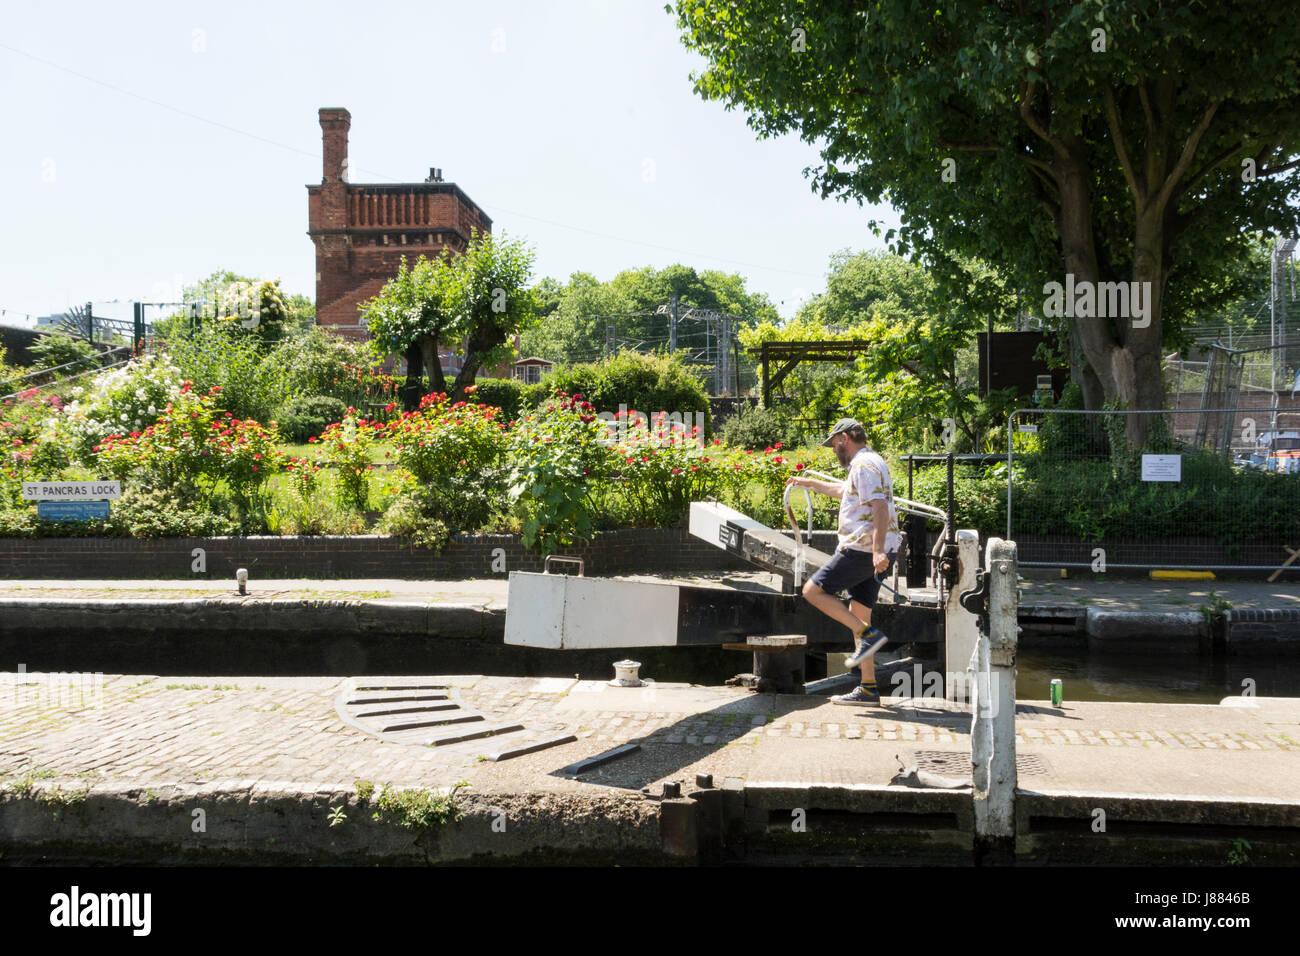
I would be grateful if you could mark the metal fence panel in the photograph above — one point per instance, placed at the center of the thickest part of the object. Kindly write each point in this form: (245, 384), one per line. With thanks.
(1079, 496)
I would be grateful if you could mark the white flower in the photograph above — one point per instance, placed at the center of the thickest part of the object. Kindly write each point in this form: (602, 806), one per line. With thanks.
(153, 410)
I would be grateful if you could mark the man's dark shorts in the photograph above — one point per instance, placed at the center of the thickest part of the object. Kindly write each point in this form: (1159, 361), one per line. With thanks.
(853, 571)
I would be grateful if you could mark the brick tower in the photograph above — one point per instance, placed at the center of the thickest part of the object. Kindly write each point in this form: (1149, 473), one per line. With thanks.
(361, 232)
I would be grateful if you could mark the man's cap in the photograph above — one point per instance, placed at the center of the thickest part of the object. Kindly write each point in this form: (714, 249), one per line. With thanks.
(843, 425)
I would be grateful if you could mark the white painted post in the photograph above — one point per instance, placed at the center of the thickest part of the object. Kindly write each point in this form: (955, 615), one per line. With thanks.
(993, 730)
(960, 633)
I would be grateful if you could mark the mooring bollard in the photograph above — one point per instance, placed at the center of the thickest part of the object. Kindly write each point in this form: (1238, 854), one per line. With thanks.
(241, 576)
(993, 710)
(960, 633)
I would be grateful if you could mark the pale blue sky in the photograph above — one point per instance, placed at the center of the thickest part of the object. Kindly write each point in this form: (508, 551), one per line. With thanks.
(579, 133)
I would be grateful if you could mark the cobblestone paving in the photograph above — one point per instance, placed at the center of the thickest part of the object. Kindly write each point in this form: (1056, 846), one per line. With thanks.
(241, 731)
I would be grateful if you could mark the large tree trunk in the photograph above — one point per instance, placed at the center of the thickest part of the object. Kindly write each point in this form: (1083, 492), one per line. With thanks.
(1122, 353)
(413, 387)
(433, 364)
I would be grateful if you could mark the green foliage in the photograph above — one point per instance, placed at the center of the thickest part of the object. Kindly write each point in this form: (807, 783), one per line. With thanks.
(306, 417)
(348, 446)
(125, 399)
(481, 298)
(758, 428)
(59, 348)
(144, 512)
(454, 452)
(555, 456)
(1004, 133)
(576, 314)
(413, 514)
(421, 810)
(191, 450)
(510, 395)
(223, 356)
(648, 383)
(417, 303)
(317, 363)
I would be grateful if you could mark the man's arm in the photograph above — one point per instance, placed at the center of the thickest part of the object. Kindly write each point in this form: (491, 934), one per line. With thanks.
(832, 489)
(880, 529)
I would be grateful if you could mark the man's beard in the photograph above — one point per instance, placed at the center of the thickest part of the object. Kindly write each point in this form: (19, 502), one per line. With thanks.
(844, 455)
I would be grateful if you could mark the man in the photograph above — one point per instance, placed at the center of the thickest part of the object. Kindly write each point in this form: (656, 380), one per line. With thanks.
(868, 544)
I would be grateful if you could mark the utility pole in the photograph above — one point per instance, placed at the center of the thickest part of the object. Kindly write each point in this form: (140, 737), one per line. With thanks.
(672, 327)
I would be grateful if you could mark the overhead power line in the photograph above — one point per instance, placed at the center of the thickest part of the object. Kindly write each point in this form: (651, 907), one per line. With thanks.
(313, 153)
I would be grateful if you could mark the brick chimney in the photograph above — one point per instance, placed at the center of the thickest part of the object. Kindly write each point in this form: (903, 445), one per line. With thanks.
(334, 124)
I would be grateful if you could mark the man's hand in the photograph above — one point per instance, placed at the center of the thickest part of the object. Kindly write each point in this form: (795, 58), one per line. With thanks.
(882, 562)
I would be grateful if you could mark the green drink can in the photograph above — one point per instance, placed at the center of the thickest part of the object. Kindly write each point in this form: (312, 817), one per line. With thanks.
(1058, 692)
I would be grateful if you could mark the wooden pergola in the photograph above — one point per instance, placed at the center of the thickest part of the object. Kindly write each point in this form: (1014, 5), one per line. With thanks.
(787, 355)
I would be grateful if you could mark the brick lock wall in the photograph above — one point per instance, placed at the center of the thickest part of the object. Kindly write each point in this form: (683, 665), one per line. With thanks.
(633, 551)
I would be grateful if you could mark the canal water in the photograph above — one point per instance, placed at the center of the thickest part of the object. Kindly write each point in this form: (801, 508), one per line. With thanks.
(1156, 679)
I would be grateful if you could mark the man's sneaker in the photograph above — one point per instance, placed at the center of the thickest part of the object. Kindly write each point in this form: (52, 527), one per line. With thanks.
(858, 697)
(872, 641)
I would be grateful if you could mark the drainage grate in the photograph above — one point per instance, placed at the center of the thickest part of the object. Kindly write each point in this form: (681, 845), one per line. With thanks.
(957, 764)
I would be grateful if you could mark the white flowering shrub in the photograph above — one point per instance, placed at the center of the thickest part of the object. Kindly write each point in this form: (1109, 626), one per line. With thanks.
(125, 400)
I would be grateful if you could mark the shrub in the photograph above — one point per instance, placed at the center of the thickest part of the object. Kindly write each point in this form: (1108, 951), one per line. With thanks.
(306, 417)
(756, 428)
(349, 447)
(555, 458)
(191, 449)
(411, 515)
(59, 348)
(320, 364)
(159, 513)
(510, 395)
(454, 452)
(662, 472)
(652, 383)
(127, 399)
(252, 384)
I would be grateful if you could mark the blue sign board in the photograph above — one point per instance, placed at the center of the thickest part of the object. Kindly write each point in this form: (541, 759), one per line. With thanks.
(71, 510)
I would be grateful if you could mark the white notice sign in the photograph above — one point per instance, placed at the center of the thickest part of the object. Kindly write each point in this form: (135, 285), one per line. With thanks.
(71, 490)
(1162, 467)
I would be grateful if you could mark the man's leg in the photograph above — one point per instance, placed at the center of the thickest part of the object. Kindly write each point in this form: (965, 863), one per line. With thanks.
(863, 614)
(831, 606)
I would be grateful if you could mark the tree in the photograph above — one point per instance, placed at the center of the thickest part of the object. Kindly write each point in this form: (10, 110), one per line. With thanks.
(478, 299)
(574, 330)
(1126, 142)
(249, 304)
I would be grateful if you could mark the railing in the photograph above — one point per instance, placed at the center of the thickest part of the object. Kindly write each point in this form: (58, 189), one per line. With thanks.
(1081, 494)
(121, 355)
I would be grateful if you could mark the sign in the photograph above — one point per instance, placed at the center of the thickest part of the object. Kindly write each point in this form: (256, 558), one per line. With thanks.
(1031, 429)
(1162, 467)
(71, 510)
(71, 490)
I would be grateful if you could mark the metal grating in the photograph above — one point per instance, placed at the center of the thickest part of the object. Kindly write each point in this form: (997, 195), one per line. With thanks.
(951, 763)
